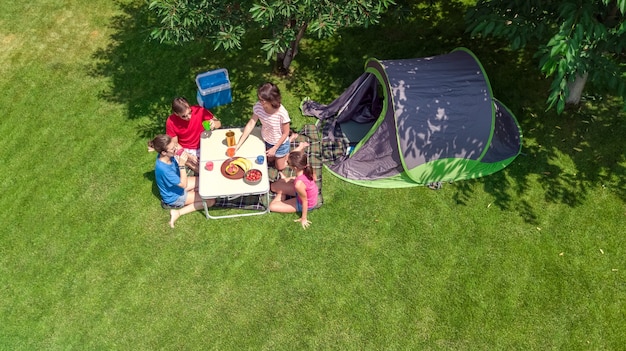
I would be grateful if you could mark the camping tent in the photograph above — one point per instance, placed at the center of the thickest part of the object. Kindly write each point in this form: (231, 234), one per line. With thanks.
(415, 121)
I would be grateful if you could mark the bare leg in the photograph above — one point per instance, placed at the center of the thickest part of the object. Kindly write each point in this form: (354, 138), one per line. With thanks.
(288, 206)
(303, 145)
(293, 137)
(192, 183)
(283, 186)
(193, 203)
(175, 214)
(192, 163)
(281, 164)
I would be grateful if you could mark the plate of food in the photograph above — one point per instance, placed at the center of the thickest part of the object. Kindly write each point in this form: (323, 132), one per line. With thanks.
(252, 176)
(235, 167)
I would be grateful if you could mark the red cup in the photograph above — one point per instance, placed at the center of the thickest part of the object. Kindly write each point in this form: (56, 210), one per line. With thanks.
(209, 165)
(230, 152)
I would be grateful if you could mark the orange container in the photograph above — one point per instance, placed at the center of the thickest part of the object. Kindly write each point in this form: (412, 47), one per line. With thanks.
(230, 138)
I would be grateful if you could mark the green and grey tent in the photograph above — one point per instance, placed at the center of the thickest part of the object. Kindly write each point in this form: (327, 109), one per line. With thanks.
(416, 121)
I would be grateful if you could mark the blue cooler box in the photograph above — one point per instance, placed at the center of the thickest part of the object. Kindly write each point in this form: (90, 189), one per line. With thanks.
(213, 88)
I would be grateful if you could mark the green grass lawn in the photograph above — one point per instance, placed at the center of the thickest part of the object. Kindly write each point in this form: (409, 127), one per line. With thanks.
(529, 258)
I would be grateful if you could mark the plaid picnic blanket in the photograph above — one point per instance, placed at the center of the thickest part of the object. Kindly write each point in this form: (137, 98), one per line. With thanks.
(318, 152)
(334, 142)
(310, 134)
(248, 202)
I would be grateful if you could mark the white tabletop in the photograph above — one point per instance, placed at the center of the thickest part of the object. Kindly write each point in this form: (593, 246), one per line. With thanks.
(213, 183)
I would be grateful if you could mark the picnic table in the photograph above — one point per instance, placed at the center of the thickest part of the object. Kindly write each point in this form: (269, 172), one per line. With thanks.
(216, 184)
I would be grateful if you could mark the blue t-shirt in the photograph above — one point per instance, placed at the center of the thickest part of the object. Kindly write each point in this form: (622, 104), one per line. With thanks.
(167, 179)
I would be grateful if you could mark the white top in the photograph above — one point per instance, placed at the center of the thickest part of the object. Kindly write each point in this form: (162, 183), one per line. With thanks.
(271, 124)
(213, 183)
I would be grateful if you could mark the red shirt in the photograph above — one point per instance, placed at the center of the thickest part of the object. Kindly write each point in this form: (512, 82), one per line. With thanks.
(188, 132)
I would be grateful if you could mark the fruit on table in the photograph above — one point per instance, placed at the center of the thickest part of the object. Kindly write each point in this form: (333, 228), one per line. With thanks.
(243, 163)
(231, 169)
(253, 175)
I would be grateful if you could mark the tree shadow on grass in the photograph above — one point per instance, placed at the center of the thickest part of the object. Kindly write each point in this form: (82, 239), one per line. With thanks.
(335, 63)
(570, 154)
(149, 176)
(146, 75)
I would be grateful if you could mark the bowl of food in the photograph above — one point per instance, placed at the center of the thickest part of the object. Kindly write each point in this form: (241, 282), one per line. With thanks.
(253, 176)
(231, 169)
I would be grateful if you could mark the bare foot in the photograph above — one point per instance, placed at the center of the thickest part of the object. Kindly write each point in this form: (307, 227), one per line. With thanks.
(174, 214)
(303, 145)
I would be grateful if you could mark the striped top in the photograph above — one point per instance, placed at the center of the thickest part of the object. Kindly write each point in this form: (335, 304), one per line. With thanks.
(271, 123)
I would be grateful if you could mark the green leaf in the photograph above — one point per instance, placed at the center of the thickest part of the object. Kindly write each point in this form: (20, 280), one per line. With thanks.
(259, 11)
(489, 28)
(549, 67)
(621, 29)
(555, 39)
(479, 27)
(558, 49)
(516, 43)
(560, 105)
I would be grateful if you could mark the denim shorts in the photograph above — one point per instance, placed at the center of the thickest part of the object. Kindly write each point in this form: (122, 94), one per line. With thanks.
(282, 151)
(299, 205)
(180, 202)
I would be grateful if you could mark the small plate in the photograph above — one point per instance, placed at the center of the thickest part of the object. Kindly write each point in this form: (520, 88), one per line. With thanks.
(240, 173)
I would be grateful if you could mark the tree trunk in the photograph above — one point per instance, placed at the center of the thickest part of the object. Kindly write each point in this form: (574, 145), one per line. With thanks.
(576, 89)
(283, 60)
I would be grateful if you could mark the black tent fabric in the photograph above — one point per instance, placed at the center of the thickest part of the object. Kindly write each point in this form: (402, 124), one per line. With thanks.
(427, 119)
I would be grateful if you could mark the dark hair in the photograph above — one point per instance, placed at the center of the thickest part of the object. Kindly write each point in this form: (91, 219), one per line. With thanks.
(269, 92)
(299, 160)
(160, 142)
(180, 105)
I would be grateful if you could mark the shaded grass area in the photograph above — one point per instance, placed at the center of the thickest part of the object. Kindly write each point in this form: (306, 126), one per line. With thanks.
(528, 258)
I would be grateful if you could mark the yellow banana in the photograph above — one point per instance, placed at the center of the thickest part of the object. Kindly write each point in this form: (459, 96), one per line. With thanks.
(248, 163)
(241, 162)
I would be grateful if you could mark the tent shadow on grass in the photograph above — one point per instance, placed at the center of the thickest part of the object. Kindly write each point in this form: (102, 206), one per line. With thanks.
(146, 75)
(588, 136)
